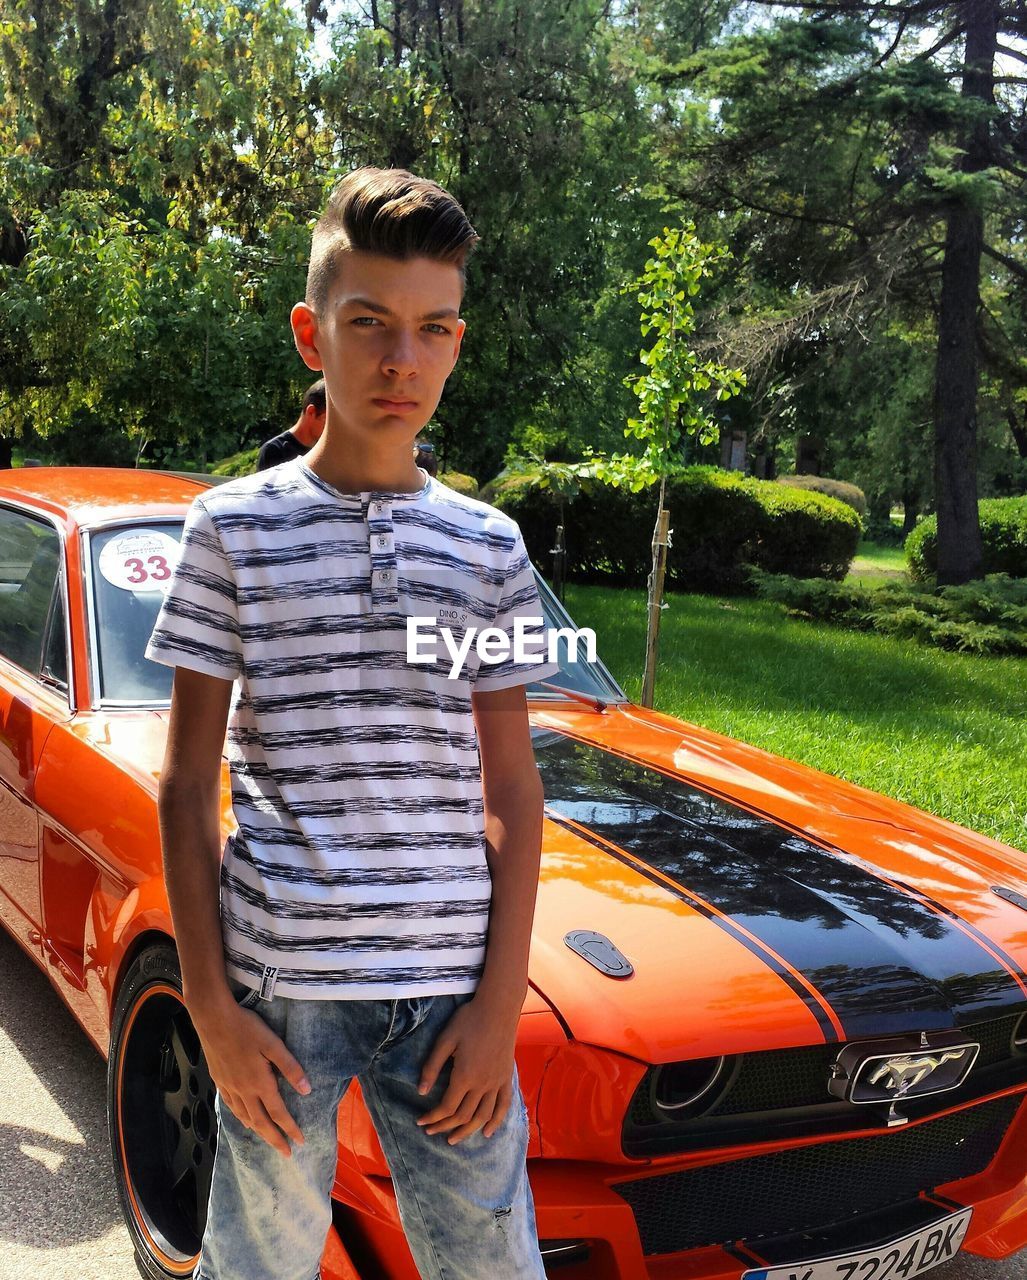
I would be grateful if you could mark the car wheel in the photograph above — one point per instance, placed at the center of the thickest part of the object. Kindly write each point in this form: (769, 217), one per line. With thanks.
(160, 1109)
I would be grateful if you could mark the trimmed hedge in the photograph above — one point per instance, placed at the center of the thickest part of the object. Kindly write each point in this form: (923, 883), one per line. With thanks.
(983, 617)
(721, 523)
(239, 464)
(851, 494)
(467, 485)
(1003, 532)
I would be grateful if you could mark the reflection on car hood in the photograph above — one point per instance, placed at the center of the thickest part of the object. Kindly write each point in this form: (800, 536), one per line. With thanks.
(742, 931)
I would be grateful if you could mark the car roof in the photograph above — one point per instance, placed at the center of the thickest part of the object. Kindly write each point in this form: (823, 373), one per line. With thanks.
(89, 495)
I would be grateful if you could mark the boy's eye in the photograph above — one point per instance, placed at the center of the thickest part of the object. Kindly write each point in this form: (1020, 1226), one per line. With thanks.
(365, 321)
(437, 328)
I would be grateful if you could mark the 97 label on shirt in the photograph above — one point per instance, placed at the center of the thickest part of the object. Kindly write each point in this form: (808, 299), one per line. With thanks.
(140, 560)
(903, 1259)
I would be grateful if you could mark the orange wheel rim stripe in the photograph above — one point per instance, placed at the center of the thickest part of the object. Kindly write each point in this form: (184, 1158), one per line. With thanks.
(169, 1263)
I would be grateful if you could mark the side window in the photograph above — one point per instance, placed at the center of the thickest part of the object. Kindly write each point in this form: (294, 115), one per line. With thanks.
(30, 557)
(55, 658)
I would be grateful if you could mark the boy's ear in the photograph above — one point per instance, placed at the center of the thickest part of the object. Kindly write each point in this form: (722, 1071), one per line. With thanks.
(304, 332)
(461, 329)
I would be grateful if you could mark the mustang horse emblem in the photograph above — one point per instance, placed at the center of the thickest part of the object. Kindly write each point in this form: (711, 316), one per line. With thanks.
(903, 1072)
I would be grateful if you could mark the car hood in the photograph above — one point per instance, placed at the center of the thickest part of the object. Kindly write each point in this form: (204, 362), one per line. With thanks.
(758, 903)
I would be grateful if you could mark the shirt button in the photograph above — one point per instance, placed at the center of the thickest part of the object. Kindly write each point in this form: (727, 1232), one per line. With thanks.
(386, 576)
(382, 541)
(376, 506)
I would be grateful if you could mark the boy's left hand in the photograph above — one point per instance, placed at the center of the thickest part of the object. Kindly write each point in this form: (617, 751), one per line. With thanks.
(480, 1038)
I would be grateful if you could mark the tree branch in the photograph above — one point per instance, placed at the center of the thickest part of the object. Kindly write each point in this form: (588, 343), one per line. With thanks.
(946, 39)
(903, 24)
(1017, 268)
(1011, 53)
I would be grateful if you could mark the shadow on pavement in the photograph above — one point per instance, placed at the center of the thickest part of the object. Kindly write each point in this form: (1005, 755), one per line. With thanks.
(56, 1182)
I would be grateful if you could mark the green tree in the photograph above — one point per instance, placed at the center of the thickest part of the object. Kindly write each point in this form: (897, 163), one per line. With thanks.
(675, 395)
(528, 113)
(871, 161)
(161, 160)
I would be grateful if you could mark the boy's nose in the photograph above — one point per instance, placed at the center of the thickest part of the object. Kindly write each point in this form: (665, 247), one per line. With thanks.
(402, 355)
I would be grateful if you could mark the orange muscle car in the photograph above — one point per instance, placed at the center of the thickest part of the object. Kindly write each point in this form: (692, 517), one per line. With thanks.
(776, 1025)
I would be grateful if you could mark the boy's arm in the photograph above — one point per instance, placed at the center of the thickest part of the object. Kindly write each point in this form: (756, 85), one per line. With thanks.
(512, 791)
(481, 1034)
(241, 1049)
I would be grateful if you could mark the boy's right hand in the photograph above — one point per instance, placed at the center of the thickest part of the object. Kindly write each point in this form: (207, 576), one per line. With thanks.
(242, 1054)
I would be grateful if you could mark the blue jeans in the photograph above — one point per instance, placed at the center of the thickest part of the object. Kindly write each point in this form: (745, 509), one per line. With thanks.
(466, 1209)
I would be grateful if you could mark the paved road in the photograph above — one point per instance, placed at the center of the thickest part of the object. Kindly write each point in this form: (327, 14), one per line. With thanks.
(59, 1216)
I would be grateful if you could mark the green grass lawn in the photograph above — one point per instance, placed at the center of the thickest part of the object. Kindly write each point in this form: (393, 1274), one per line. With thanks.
(874, 564)
(943, 731)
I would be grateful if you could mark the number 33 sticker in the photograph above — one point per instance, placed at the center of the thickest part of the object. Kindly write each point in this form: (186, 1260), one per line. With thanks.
(139, 561)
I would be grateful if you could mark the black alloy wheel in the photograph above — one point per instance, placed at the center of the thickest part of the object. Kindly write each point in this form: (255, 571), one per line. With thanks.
(161, 1118)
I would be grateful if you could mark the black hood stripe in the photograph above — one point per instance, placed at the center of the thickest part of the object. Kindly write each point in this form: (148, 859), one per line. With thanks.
(997, 953)
(884, 960)
(821, 1010)
(1012, 967)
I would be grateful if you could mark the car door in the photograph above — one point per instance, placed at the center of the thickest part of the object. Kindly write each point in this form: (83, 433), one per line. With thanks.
(33, 697)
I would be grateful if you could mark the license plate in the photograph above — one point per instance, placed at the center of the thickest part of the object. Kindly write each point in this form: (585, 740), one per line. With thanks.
(901, 1260)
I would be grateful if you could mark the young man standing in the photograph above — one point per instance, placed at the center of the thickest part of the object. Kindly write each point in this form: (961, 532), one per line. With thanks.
(376, 903)
(302, 435)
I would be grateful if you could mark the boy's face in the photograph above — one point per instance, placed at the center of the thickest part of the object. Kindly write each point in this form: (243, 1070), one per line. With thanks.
(386, 341)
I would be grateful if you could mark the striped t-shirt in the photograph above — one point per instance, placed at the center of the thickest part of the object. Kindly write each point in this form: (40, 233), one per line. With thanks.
(358, 870)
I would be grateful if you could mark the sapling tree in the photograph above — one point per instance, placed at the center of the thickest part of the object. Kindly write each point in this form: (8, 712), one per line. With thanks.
(562, 482)
(675, 393)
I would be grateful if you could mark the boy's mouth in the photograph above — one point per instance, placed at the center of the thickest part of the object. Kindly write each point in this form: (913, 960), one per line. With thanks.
(396, 406)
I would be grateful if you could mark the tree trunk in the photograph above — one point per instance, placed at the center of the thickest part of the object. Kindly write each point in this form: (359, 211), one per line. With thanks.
(655, 601)
(955, 388)
(1019, 431)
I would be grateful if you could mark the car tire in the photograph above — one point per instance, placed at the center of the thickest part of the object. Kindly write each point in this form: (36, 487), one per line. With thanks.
(161, 1118)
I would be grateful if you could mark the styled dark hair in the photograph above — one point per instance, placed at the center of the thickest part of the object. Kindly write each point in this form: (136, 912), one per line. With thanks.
(316, 396)
(388, 212)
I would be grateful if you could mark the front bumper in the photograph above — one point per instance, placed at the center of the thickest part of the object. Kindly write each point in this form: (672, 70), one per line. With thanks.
(577, 1204)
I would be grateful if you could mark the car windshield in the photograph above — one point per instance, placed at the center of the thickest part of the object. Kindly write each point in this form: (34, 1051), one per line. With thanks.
(130, 563)
(576, 675)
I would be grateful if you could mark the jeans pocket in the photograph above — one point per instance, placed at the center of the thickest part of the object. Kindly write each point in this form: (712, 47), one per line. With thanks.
(245, 997)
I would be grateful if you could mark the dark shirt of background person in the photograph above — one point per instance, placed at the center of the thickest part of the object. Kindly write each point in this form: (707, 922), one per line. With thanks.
(305, 431)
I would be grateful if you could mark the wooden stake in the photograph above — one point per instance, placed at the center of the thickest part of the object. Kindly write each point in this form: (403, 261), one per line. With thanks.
(661, 539)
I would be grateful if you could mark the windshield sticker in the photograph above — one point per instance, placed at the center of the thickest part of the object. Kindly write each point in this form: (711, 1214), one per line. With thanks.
(140, 560)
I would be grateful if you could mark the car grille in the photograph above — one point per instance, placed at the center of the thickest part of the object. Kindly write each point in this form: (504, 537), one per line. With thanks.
(773, 1081)
(814, 1186)
(784, 1092)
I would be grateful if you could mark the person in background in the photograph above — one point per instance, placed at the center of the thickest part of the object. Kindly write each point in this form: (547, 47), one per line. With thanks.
(303, 433)
(424, 456)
